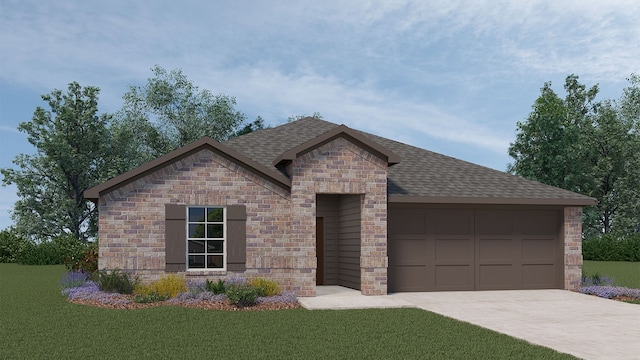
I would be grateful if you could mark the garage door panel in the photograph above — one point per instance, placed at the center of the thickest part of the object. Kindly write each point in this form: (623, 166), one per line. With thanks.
(497, 277)
(495, 249)
(454, 277)
(408, 278)
(494, 222)
(539, 249)
(451, 222)
(454, 249)
(408, 252)
(541, 222)
(406, 222)
(538, 276)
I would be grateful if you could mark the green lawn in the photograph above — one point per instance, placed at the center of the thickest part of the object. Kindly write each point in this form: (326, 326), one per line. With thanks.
(36, 322)
(625, 273)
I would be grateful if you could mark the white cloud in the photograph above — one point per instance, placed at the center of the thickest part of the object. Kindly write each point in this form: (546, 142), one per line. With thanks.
(360, 105)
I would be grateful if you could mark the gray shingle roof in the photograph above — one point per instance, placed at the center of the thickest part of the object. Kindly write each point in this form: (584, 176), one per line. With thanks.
(421, 175)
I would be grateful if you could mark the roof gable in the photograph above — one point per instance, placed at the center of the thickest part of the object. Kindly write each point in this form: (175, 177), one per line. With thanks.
(204, 143)
(337, 132)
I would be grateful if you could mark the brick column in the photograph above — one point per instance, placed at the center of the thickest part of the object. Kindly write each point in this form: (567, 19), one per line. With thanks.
(572, 247)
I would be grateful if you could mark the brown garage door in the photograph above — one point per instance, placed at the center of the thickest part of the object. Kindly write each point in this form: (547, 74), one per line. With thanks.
(464, 248)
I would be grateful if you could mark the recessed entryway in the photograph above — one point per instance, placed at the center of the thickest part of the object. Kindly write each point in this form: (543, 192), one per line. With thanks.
(338, 219)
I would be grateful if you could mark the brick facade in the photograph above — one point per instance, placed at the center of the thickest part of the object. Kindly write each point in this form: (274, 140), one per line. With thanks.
(280, 220)
(572, 247)
(280, 224)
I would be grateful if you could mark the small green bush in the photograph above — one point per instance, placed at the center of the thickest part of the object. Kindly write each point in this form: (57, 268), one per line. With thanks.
(169, 286)
(11, 245)
(610, 247)
(149, 298)
(217, 287)
(242, 295)
(115, 281)
(265, 287)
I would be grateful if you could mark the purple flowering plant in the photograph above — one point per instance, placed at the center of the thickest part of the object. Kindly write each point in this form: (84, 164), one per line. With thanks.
(610, 292)
(603, 286)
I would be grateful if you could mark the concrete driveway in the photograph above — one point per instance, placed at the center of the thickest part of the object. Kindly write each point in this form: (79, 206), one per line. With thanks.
(573, 323)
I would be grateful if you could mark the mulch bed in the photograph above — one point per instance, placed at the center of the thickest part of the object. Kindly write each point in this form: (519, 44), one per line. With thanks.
(205, 305)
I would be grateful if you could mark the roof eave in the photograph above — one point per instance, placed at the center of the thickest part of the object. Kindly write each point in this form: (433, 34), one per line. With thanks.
(583, 201)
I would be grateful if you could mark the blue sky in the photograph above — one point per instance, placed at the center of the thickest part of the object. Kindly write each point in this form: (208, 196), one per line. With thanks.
(450, 76)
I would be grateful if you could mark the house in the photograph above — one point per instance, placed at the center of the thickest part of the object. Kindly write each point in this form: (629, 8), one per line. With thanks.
(313, 203)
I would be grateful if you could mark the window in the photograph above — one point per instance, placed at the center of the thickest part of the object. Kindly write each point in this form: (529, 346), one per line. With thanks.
(206, 238)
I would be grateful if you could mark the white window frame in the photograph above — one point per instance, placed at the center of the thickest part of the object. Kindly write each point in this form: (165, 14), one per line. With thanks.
(223, 239)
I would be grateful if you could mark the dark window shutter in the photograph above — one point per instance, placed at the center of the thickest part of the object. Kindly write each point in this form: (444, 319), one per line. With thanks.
(175, 238)
(236, 237)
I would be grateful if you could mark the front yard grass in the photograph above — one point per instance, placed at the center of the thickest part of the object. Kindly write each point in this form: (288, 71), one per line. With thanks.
(37, 322)
(624, 273)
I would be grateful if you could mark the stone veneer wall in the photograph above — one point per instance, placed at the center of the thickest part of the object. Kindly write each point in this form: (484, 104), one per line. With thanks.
(340, 167)
(572, 247)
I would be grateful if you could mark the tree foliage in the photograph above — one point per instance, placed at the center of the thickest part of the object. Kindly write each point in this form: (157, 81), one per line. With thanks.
(587, 146)
(73, 153)
(170, 111)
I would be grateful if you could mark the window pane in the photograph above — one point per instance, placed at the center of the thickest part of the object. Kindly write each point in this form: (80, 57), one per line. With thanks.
(196, 231)
(215, 261)
(196, 214)
(215, 246)
(196, 261)
(196, 246)
(214, 231)
(214, 214)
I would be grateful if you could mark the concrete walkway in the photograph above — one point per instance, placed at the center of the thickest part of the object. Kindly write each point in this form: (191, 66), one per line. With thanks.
(582, 325)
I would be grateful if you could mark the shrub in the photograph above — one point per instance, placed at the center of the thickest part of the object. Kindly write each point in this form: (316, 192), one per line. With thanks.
(168, 286)
(51, 252)
(242, 295)
(265, 287)
(217, 287)
(611, 247)
(596, 280)
(115, 281)
(149, 298)
(11, 245)
(87, 261)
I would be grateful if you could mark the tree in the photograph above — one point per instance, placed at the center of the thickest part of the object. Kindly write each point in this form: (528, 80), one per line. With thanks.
(170, 112)
(588, 147)
(73, 153)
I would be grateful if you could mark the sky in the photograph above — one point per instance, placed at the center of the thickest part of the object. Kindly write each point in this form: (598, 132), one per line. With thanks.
(449, 76)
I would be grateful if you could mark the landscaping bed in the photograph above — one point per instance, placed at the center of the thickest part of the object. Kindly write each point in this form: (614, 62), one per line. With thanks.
(118, 290)
(620, 282)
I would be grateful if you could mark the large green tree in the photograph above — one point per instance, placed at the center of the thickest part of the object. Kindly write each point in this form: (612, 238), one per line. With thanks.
(170, 111)
(586, 146)
(73, 153)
